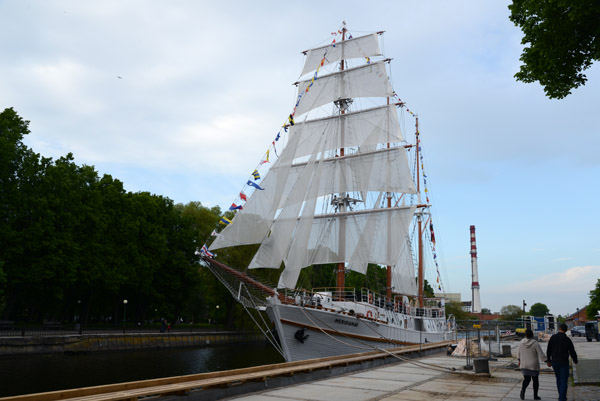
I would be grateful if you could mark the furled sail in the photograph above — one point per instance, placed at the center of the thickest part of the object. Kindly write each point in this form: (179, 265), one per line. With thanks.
(369, 80)
(364, 46)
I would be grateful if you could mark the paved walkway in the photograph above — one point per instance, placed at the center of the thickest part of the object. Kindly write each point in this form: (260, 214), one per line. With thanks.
(417, 381)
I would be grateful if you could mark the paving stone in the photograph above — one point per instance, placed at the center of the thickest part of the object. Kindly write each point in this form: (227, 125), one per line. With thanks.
(418, 382)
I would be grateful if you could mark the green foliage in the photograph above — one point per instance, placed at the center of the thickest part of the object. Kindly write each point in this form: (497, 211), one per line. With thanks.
(563, 39)
(511, 312)
(77, 244)
(485, 311)
(427, 289)
(594, 306)
(455, 308)
(539, 310)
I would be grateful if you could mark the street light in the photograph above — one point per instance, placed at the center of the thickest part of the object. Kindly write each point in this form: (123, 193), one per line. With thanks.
(216, 314)
(124, 313)
(79, 310)
(577, 318)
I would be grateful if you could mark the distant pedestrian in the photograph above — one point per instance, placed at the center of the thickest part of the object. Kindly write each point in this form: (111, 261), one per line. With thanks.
(163, 325)
(559, 348)
(529, 355)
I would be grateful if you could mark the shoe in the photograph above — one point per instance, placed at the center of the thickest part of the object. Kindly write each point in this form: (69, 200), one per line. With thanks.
(535, 397)
(522, 394)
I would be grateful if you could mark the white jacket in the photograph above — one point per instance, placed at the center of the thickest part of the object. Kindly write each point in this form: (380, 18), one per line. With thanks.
(530, 354)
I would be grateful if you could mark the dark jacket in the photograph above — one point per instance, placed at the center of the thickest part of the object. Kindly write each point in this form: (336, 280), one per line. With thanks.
(559, 348)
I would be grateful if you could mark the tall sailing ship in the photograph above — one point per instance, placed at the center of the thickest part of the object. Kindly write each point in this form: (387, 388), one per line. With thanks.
(340, 192)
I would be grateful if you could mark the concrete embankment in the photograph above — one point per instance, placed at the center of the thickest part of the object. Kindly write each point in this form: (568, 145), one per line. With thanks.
(118, 342)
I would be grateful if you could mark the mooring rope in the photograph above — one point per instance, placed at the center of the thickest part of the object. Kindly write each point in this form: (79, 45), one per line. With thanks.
(370, 347)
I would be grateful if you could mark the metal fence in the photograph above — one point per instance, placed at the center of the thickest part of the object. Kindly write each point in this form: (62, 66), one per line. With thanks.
(490, 338)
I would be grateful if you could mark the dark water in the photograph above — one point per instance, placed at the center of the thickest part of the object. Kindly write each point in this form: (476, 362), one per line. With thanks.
(40, 373)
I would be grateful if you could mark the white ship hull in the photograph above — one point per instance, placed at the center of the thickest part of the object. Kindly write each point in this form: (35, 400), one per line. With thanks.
(337, 328)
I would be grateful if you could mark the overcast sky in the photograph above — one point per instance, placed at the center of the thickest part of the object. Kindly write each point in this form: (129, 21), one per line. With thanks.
(182, 98)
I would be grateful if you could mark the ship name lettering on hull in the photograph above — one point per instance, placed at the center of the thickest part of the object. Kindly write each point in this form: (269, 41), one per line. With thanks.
(346, 322)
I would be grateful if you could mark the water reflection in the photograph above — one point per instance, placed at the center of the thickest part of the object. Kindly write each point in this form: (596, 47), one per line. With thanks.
(39, 373)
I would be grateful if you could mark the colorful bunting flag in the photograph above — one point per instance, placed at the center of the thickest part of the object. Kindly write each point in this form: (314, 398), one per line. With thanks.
(266, 160)
(290, 122)
(252, 184)
(204, 250)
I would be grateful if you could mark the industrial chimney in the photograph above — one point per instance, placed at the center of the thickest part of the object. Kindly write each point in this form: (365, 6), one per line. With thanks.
(475, 300)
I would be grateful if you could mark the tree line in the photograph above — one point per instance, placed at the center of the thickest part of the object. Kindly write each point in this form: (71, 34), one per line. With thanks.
(75, 245)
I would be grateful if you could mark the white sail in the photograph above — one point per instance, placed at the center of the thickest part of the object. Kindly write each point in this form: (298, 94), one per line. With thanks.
(388, 226)
(369, 80)
(380, 170)
(273, 248)
(403, 276)
(283, 218)
(364, 46)
(252, 224)
(362, 128)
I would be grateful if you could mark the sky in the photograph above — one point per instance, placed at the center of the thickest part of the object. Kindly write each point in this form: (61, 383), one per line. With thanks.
(182, 98)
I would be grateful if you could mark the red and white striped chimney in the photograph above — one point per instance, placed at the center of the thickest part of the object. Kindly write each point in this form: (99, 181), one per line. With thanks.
(476, 300)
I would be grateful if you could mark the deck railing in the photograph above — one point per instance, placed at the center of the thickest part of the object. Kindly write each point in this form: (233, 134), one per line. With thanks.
(433, 307)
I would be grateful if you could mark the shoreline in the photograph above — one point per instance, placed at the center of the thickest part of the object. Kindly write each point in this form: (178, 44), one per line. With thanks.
(111, 342)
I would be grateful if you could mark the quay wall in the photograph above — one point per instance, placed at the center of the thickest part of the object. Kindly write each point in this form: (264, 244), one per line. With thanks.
(118, 342)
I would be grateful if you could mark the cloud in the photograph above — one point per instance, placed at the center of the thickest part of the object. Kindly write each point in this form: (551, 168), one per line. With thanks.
(575, 280)
(563, 259)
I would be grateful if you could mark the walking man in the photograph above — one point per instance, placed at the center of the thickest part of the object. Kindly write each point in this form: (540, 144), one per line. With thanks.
(559, 348)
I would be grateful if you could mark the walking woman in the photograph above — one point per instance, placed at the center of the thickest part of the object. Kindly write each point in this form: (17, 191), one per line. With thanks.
(530, 354)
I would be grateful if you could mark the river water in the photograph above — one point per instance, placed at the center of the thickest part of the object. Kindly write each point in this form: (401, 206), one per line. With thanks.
(49, 372)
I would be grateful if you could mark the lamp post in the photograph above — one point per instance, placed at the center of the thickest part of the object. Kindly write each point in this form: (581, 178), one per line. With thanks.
(124, 313)
(577, 318)
(216, 315)
(78, 322)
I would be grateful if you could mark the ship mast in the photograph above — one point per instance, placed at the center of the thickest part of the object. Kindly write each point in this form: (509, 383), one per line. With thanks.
(341, 267)
(388, 292)
(420, 223)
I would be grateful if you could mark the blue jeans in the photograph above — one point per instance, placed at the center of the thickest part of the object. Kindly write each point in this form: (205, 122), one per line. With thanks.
(561, 371)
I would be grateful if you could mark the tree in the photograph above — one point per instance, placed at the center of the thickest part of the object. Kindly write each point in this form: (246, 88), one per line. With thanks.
(594, 307)
(455, 308)
(486, 311)
(539, 309)
(427, 290)
(22, 210)
(511, 312)
(564, 41)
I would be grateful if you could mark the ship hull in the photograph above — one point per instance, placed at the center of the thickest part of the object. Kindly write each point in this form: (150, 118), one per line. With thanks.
(316, 332)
